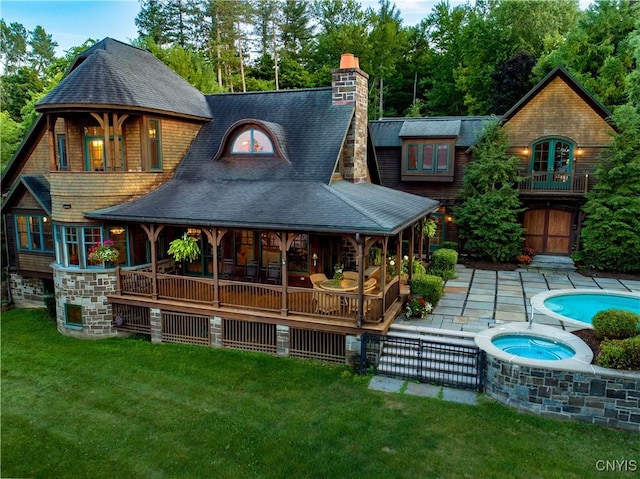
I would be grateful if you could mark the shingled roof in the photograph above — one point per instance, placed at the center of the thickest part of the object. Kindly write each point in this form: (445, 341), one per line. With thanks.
(118, 76)
(294, 194)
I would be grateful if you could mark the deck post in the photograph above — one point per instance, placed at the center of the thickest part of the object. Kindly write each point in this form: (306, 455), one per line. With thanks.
(284, 247)
(359, 241)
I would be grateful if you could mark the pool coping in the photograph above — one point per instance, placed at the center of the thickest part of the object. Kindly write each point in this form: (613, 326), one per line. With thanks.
(580, 361)
(537, 303)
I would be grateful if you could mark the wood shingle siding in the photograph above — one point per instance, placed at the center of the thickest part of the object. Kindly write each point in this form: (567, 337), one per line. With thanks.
(560, 112)
(88, 191)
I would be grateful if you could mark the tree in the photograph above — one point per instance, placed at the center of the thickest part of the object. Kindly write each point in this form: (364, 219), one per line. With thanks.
(42, 50)
(13, 46)
(487, 217)
(510, 82)
(598, 51)
(612, 225)
(10, 139)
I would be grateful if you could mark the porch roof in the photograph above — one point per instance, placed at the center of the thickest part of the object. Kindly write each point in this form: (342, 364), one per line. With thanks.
(341, 207)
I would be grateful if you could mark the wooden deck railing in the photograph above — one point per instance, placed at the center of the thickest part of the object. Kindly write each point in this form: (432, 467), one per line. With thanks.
(552, 182)
(258, 296)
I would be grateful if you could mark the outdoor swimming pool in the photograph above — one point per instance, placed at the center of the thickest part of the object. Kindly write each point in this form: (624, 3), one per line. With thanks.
(579, 306)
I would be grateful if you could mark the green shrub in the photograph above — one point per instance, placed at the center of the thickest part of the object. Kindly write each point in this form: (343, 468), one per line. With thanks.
(428, 286)
(50, 303)
(450, 245)
(443, 263)
(444, 258)
(615, 324)
(620, 353)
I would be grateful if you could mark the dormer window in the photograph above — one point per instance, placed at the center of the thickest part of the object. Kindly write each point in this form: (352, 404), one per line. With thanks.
(252, 141)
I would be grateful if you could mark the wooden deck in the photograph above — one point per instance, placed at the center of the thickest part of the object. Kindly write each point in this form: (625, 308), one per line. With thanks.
(268, 303)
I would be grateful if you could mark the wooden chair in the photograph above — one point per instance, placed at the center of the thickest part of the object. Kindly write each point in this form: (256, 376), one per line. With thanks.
(252, 271)
(228, 269)
(274, 270)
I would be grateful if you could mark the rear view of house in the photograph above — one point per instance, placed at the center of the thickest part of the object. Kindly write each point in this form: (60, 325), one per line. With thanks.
(280, 190)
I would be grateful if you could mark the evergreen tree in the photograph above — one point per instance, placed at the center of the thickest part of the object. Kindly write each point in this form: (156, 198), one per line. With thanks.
(42, 50)
(611, 232)
(487, 217)
(13, 46)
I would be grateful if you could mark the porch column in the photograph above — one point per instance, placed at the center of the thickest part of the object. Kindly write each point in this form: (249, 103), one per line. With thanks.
(215, 238)
(383, 273)
(399, 255)
(284, 247)
(359, 241)
(421, 240)
(412, 245)
(152, 235)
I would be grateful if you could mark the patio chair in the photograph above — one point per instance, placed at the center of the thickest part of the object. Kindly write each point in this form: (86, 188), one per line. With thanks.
(228, 269)
(370, 285)
(317, 278)
(327, 303)
(252, 271)
(274, 270)
(351, 275)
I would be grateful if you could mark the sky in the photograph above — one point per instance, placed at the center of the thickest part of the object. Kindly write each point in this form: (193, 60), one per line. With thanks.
(71, 22)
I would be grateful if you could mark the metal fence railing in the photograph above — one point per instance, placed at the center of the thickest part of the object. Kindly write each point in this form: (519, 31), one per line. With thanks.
(448, 363)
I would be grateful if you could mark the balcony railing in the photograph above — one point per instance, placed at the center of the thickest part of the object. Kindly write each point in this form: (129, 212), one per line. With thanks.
(258, 296)
(554, 182)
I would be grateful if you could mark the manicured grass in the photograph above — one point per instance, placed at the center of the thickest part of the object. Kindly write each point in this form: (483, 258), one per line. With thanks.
(125, 408)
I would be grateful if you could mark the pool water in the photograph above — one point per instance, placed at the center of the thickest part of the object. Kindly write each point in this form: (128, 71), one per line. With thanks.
(583, 307)
(532, 347)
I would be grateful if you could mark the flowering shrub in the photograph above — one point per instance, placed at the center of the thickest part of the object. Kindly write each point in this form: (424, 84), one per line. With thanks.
(105, 251)
(418, 307)
(524, 259)
(529, 252)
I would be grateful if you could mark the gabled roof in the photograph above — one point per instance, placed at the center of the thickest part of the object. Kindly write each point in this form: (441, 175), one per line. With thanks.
(114, 75)
(389, 132)
(39, 188)
(560, 72)
(295, 194)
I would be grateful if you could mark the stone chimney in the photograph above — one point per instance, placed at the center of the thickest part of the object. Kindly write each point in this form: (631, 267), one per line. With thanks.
(350, 86)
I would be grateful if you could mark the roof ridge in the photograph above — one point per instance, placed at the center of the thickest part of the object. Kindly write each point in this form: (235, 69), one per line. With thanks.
(356, 207)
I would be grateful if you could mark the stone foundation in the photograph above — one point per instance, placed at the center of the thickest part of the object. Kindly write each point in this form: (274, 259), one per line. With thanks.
(87, 289)
(604, 396)
(26, 292)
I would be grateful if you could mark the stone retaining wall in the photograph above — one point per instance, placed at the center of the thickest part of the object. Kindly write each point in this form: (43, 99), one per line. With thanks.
(605, 397)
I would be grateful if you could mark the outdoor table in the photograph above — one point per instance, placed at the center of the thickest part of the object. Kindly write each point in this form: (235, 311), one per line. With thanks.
(344, 285)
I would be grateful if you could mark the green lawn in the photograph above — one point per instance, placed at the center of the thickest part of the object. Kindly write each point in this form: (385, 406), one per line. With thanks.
(130, 409)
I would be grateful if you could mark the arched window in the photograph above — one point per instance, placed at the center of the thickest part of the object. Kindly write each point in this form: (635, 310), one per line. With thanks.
(552, 163)
(252, 141)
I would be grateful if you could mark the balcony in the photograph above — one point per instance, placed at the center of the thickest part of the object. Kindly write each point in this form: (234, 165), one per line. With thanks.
(557, 183)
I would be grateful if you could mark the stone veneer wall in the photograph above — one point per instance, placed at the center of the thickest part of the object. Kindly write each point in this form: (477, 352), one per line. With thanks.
(26, 291)
(88, 289)
(606, 397)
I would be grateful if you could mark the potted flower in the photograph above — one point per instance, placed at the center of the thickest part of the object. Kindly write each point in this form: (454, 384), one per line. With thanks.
(338, 273)
(417, 307)
(103, 252)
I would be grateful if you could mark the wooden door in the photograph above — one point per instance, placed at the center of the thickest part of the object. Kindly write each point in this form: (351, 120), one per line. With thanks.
(548, 230)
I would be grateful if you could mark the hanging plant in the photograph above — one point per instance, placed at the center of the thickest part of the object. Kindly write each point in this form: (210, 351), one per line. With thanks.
(184, 249)
(103, 252)
(429, 228)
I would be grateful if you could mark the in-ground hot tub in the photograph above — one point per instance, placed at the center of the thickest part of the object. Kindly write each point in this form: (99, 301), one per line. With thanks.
(578, 306)
(536, 346)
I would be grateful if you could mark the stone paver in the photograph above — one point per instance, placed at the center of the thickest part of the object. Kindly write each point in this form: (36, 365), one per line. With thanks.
(392, 385)
(478, 299)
